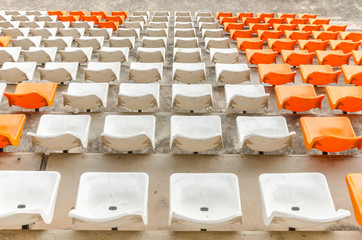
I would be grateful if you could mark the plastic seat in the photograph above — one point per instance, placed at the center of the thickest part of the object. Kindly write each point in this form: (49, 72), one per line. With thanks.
(261, 56)
(146, 14)
(28, 197)
(128, 42)
(106, 33)
(188, 42)
(187, 55)
(149, 55)
(297, 200)
(183, 13)
(95, 19)
(232, 73)
(43, 32)
(40, 55)
(62, 132)
(11, 126)
(329, 134)
(57, 24)
(313, 45)
(286, 15)
(296, 20)
(112, 25)
(284, 27)
(266, 34)
(14, 33)
(345, 98)
(68, 18)
(354, 36)
(10, 24)
(240, 15)
(233, 26)
(76, 54)
(4, 41)
(137, 25)
(159, 25)
(264, 134)
(133, 18)
(196, 133)
(145, 72)
(207, 25)
(160, 18)
(183, 24)
(212, 33)
(354, 185)
(306, 15)
(334, 58)
(95, 42)
(224, 20)
(9, 54)
(113, 54)
(21, 18)
(59, 72)
(32, 95)
(202, 14)
(325, 35)
(235, 34)
(224, 55)
(319, 74)
(298, 98)
(188, 72)
(157, 32)
(192, 97)
(168, 13)
(120, 13)
(319, 20)
(347, 46)
(185, 32)
(102, 71)
(217, 43)
(352, 74)
(59, 42)
(310, 28)
(249, 43)
(255, 27)
(116, 19)
(297, 35)
(357, 57)
(139, 96)
(297, 57)
(281, 44)
(204, 200)
(17, 71)
(26, 42)
(272, 21)
(334, 28)
(32, 24)
(248, 20)
(276, 74)
(78, 13)
(265, 15)
(57, 13)
(223, 14)
(245, 97)
(183, 19)
(103, 14)
(72, 32)
(154, 42)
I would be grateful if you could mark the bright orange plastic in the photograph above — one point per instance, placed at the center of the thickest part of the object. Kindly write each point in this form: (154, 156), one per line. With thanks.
(334, 58)
(280, 44)
(357, 57)
(265, 15)
(345, 45)
(120, 13)
(57, 13)
(329, 134)
(325, 35)
(297, 35)
(11, 127)
(312, 45)
(309, 27)
(354, 36)
(233, 26)
(259, 26)
(78, 13)
(223, 14)
(241, 15)
(247, 20)
(296, 20)
(284, 27)
(249, 43)
(99, 13)
(32, 95)
(276, 74)
(224, 20)
(235, 34)
(119, 19)
(352, 74)
(334, 28)
(345, 98)
(319, 20)
(286, 15)
(271, 21)
(318, 74)
(306, 15)
(261, 56)
(266, 34)
(94, 18)
(297, 57)
(113, 25)
(298, 98)
(69, 18)
(4, 41)
(354, 184)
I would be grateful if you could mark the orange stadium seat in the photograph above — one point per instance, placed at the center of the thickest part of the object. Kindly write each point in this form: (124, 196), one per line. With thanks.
(281, 44)
(329, 134)
(247, 20)
(286, 15)
(235, 34)
(261, 56)
(223, 14)
(334, 58)
(78, 13)
(297, 35)
(119, 19)
(298, 98)
(345, 98)
(309, 27)
(57, 13)
(276, 74)
(249, 43)
(274, 20)
(354, 36)
(352, 74)
(357, 57)
(345, 45)
(283, 27)
(296, 20)
(241, 15)
(233, 26)
(259, 26)
(354, 184)
(4, 41)
(334, 28)
(319, 20)
(297, 57)
(93, 18)
(32, 95)
(224, 20)
(103, 14)
(11, 127)
(319, 74)
(312, 45)
(68, 18)
(325, 35)
(265, 15)
(120, 13)
(306, 15)
(113, 25)
(266, 34)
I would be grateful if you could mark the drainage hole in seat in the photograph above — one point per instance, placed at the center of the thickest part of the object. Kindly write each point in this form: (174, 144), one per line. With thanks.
(204, 209)
(112, 208)
(295, 208)
(21, 206)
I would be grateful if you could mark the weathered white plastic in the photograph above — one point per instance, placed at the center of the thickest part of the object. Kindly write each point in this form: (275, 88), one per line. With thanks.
(51, 31)
(213, 31)
(152, 50)
(139, 96)
(35, 39)
(73, 32)
(192, 96)
(102, 71)
(184, 39)
(150, 39)
(186, 50)
(2, 90)
(137, 30)
(27, 197)
(297, 200)
(100, 192)
(132, 40)
(67, 40)
(219, 40)
(245, 97)
(40, 54)
(145, 68)
(106, 31)
(15, 68)
(59, 71)
(188, 72)
(185, 30)
(115, 50)
(204, 200)
(84, 52)
(227, 55)
(12, 53)
(232, 73)
(95, 42)
(149, 30)
(140, 25)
